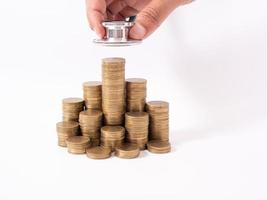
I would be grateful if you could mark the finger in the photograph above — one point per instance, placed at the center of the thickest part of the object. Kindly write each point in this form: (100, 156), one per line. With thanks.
(96, 10)
(116, 6)
(108, 2)
(150, 18)
(118, 17)
(137, 4)
(128, 11)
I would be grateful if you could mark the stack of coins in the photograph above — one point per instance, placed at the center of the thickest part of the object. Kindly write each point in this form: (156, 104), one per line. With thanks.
(112, 136)
(66, 130)
(136, 124)
(90, 123)
(92, 95)
(71, 108)
(113, 90)
(127, 150)
(78, 144)
(157, 146)
(136, 94)
(159, 120)
(98, 152)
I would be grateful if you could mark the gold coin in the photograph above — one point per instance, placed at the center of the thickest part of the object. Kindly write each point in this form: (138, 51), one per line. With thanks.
(112, 131)
(157, 146)
(92, 84)
(78, 140)
(98, 152)
(90, 113)
(67, 125)
(127, 150)
(136, 81)
(72, 100)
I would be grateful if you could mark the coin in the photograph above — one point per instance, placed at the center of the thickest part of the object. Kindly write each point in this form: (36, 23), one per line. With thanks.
(127, 150)
(159, 120)
(112, 136)
(136, 94)
(90, 123)
(113, 90)
(98, 152)
(136, 124)
(157, 146)
(92, 93)
(77, 144)
(71, 108)
(66, 130)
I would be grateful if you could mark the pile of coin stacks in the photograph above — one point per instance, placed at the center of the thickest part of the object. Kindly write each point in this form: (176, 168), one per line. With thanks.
(136, 124)
(72, 108)
(90, 123)
(114, 117)
(113, 90)
(159, 120)
(66, 130)
(136, 94)
(112, 136)
(92, 95)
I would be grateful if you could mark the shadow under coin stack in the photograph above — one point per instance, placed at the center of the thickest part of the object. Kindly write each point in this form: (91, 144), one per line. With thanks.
(66, 130)
(136, 124)
(113, 90)
(136, 94)
(112, 136)
(72, 108)
(92, 95)
(90, 123)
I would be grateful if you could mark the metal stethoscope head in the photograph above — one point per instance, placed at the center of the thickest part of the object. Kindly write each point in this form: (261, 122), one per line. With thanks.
(117, 33)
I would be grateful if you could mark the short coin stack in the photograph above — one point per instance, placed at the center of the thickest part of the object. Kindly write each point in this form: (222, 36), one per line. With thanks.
(113, 90)
(112, 136)
(157, 146)
(92, 95)
(72, 108)
(90, 123)
(127, 150)
(98, 152)
(136, 124)
(136, 94)
(66, 130)
(78, 144)
(159, 120)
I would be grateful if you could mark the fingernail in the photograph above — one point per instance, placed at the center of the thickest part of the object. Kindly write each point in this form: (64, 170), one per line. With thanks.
(137, 32)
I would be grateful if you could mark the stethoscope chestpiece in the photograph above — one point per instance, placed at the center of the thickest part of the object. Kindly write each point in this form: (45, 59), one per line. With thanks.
(117, 33)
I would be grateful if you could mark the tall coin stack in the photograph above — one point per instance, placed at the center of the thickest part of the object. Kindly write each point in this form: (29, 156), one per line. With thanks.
(136, 94)
(159, 120)
(113, 90)
(92, 94)
(90, 123)
(66, 130)
(112, 136)
(72, 108)
(136, 124)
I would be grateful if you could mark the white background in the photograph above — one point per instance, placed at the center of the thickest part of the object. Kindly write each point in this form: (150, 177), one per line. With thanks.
(209, 60)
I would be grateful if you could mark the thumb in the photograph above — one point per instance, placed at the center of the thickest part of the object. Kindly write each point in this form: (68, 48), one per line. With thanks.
(150, 18)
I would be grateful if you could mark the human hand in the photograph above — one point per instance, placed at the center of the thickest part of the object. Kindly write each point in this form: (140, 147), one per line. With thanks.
(150, 14)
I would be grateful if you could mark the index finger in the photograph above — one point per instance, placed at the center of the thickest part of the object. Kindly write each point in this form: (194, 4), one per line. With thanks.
(96, 10)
